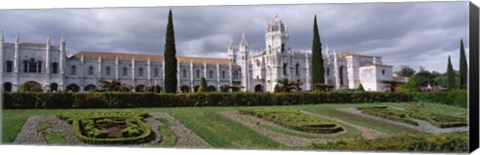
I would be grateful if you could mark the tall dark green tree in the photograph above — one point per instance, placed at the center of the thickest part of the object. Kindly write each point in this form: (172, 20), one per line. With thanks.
(317, 59)
(450, 75)
(170, 81)
(463, 66)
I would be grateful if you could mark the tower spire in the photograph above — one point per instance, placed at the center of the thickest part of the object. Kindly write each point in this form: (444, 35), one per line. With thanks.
(48, 39)
(243, 42)
(17, 38)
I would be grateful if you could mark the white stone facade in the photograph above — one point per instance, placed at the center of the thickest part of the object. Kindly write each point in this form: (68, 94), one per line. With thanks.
(256, 71)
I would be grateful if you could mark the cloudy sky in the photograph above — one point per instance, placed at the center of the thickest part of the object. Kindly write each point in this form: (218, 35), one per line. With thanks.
(414, 34)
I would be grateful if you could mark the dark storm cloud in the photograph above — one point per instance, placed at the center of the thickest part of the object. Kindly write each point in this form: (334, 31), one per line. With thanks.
(415, 34)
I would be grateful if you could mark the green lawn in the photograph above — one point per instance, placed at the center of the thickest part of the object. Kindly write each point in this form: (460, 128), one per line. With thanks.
(221, 132)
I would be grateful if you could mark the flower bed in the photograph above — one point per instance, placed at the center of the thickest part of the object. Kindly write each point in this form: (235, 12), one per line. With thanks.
(408, 116)
(109, 127)
(294, 119)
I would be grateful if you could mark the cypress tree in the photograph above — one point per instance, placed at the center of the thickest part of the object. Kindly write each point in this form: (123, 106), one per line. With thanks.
(170, 81)
(463, 66)
(450, 75)
(203, 85)
(317, 59)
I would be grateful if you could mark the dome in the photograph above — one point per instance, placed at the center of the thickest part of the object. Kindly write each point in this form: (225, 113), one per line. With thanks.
(276, 25)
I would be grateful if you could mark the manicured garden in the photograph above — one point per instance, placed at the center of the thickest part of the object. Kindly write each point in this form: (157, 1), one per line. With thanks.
(222, 132)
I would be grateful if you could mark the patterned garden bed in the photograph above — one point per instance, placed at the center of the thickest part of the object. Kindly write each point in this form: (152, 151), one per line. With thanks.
(296, 120)
(411, 116)
(109, 127)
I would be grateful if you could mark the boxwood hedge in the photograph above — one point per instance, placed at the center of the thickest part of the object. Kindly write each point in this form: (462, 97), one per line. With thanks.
(65, 100)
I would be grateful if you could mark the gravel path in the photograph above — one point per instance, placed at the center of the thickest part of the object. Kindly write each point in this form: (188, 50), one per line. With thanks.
(423, 126)
(252, 121)
(185, 137)
(29, 135)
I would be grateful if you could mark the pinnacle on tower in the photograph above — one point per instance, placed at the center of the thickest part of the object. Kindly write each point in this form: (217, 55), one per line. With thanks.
(17, 38)
(48, 38)
(243, 42)
(231, 44)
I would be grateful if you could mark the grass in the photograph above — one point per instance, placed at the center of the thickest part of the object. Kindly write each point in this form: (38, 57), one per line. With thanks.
(43, 126)
(221, 132)
(55, 138)
(168, 137)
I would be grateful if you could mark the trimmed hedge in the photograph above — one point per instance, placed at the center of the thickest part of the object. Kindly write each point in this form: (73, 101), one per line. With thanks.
(453, 97)
(448, 142)
(65, 100)
(85, 127)
(296, 120)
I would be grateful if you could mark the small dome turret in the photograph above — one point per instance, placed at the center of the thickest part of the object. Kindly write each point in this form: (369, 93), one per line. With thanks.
(276, 25)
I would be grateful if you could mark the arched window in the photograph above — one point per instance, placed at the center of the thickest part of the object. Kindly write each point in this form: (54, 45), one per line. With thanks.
(90, 70)
(125, 71)
(32, 66)
(235, 74)
(283, 47)
(328, 71)
(285, 69)
(73, 70)
(210, 74)
(184, 73)
(155, 72)
(223, 74)
(383, 72)
(198, 73)
(108, 70)
(297, 69)
(140, 71)
(54, 68)
(9, 66)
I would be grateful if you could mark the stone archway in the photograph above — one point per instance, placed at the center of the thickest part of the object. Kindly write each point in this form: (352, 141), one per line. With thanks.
(73, 88)
(195, 89)
(7, 87)
(259, 88)
(212, 89)
(185, 89)
(31, 86)
(156, 89)
(140, 88)
(53, 87)
(90, 87)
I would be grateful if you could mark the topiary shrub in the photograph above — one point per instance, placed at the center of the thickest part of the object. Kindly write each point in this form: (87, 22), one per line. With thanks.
(31, 86)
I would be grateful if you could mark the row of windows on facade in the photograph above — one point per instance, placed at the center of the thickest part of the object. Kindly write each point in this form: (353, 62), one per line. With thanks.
(31, 66)
(73, 70)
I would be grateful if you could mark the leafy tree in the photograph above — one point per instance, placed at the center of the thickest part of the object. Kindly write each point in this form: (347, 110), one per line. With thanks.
(203, 85)
(113, 85)
(450, 75)
(391, 85)
(406, 71)
(170, 81)
(463, 66)
(317, 58)
(360, 88)
(286, 85)
(425, 78)
(276, 89)
(31, 86)
(411, 86)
